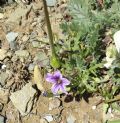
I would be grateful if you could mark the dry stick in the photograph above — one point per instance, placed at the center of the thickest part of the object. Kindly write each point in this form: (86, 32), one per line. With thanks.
(115, 99)
(49, 27)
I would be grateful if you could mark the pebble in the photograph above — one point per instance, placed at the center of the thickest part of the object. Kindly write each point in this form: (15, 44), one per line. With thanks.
(42, 59)
(25, 38)
(11, 36)
(14, 58)
(54, 103)
(9, 54)
(57, 118)
(71, 119)
(1, 15)
(49, 117)
(3, 66)
(3, 78)
(35, 44)
(51, 3)
(31, 67)
(2, 54)
(26, 95)
(4, 96)
(2, 119)
(34, 24)
(94, 107)
(22, 53)
(33, 35)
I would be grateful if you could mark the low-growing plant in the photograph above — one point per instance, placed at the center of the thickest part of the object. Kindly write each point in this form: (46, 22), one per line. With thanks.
(89, 59)
(83, 52)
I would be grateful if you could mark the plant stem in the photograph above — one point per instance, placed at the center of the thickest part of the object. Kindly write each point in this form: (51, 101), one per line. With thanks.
(117, 98)
(49, 28)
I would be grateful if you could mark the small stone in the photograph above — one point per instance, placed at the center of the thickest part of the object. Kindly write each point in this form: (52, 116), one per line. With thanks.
(2, 54)
(14, 58)
(3, 78)
(3, 66)
(49, 117)
(25, 38)
(11, 36)
(54, 103)
(35, 44)
(43, 121)
(57, 118)
(22, 53)
(42, 59)
(71, 119)
(33, 35)
(1, 15)
(4, 96)
(9, 54)
(34, 24)
(94, 107)
(27, 96)
(22, 47)
(31, 67)
(51, 3)
(2, 119)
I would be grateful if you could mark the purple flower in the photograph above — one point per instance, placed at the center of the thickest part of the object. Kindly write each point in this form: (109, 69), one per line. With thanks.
(59, 82)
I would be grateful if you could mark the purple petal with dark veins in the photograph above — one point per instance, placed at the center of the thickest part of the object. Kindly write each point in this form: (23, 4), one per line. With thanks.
(63, 89)
(57, 75)
(50, 78)
(65, 81)
(55, 88)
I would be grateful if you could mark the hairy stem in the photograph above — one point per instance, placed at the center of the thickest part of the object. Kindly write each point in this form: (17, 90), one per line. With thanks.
(49, 28)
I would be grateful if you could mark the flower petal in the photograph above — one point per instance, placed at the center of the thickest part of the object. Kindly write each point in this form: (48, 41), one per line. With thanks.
(50, 78)
(57, 75)
(55, 88)
(63, 89)
(65, 81)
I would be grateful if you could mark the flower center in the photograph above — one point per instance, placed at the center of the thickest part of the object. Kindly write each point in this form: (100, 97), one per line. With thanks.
(59, 81)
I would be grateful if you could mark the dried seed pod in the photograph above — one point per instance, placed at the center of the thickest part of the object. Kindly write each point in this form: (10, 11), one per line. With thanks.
(38, 79)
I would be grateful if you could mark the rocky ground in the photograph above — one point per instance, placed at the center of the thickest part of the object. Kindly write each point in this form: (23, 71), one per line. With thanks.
(23, 44)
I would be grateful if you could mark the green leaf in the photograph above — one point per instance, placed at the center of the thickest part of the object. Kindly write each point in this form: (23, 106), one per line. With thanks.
(116, 107)
(105, 108)
(115, 121)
